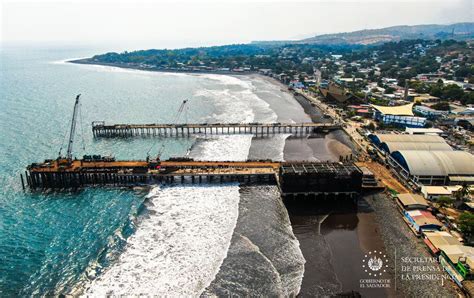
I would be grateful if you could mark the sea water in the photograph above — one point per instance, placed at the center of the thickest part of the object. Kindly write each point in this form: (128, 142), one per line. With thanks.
(175, 239)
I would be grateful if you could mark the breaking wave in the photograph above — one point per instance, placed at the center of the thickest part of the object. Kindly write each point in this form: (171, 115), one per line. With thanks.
(180, 245)
(184, 234)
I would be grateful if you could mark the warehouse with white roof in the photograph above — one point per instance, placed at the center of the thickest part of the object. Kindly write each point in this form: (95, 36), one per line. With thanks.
(396, 142)
(433, 167)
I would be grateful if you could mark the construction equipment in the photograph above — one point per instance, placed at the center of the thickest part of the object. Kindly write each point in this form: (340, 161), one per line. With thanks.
(73, 129)
(175, 121)
(72, 133)
(180, 111)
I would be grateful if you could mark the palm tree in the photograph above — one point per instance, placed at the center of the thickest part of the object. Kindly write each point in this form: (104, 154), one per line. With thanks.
(462, 193)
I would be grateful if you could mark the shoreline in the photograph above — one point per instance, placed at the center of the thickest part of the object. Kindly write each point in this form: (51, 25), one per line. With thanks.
(314, 112)
(86, 61)
(329, 146)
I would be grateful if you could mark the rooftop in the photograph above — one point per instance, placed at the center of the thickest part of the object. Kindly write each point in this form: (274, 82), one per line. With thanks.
(337, 168)
(408, 199)
(441, 239)
(423, 218)
(413, 130)
(436, 163)
(404, 110)
(437, 190)
(454, 252)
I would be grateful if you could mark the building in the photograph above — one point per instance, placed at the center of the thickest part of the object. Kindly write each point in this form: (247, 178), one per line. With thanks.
(467, 112)
(398, 115)
(433, 167)
(457, 261)
(423, 131)
(394, 142)
(438, 240)
(334, 92)
(421, 221)
(409, 201)
(429, 76)
(433, 193)
(366, 113)
(429, 112)
(303, 178)
(466, 206)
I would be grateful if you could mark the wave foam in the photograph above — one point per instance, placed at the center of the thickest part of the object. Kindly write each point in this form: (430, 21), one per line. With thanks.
(179, 248)
(239, 104)
(223, 148)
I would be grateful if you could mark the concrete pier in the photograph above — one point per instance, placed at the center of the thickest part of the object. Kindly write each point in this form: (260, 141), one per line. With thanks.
(292, 178)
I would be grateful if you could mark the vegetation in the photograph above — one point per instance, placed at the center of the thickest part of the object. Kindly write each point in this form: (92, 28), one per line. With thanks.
(466, 225)
(462, 193)
(449, 92)
(402, 61)
(444, 201)
(287, 58)
(396, 33)
(441, 106)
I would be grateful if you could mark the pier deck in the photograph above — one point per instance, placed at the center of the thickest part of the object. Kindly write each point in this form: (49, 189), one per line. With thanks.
(100, 129)
(297, 178)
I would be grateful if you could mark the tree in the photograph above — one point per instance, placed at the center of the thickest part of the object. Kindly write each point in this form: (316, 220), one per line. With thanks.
(444, 201)
(461, 194)
(464, 71)
(389, 90)
(466, 225)
(452, 92)
(468, 98)
(371, 126)
(441, 106)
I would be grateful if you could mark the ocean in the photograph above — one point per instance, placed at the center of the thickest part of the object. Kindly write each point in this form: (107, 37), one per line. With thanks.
(169, 239)
(174, 240)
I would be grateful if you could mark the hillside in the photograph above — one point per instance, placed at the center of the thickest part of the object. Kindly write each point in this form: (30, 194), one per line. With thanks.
(458, 31)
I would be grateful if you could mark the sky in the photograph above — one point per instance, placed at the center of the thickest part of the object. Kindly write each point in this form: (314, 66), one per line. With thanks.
(173, 24)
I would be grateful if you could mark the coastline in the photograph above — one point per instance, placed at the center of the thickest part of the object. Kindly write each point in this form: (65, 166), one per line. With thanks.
(324, 147)
(86, 61)
(309, 149)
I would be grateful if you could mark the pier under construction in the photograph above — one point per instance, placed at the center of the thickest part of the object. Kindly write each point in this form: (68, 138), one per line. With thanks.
(292, 178)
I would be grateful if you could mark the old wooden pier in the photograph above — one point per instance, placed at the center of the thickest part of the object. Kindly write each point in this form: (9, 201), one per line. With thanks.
(100, 129)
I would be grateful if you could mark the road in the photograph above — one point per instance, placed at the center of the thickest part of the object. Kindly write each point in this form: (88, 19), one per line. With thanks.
(351, 128)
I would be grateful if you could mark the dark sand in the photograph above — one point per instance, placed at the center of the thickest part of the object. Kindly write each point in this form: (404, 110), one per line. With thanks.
(334, 235)
(334, 239)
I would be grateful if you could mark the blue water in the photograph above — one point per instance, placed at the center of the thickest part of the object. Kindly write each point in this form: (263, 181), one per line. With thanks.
(48, 240)
(57, 242)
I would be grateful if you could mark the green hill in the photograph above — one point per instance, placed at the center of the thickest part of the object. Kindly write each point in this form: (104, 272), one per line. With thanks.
(458, 31)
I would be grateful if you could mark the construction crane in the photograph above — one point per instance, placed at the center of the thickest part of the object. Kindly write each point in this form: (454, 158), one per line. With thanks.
(175, 121)
(72, 131)
(180, 111)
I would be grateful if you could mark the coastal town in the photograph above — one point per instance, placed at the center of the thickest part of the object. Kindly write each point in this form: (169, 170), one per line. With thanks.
(417, 144)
